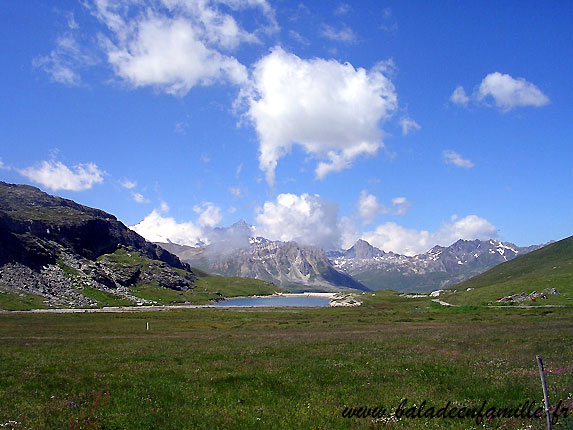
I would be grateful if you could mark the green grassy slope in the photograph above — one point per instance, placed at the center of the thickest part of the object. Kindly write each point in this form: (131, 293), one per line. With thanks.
(207, 288)
(548, 267)
(399, 282)
(233, 286)
(19, 301)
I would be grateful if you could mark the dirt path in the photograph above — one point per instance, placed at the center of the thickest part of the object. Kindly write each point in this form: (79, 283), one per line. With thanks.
(110, 309)
(443, 303)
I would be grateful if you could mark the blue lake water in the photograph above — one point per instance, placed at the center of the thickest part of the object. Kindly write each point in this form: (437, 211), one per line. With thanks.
(302, 301)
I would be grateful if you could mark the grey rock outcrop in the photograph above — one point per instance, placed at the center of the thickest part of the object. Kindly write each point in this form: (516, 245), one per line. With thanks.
(344, 301)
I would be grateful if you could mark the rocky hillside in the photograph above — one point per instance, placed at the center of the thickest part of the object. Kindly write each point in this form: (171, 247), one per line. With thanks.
(72, 255)
(438, 268)
(287, 264)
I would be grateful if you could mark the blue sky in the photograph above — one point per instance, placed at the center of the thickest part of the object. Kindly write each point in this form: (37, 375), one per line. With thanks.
(408, 124)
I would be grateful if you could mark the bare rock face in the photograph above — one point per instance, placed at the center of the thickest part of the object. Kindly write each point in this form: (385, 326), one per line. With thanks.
(286, 264)
(55, 248)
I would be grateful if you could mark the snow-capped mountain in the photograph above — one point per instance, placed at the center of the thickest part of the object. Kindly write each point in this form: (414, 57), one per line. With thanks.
(286, 264)
(234, 251)
(438, 268)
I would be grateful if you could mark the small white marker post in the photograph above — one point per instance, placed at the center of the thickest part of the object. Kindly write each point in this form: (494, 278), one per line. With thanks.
(544, 385)
(147, 325)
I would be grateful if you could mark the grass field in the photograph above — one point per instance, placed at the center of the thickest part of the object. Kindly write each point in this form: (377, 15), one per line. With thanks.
(281, 368)
(20, 301)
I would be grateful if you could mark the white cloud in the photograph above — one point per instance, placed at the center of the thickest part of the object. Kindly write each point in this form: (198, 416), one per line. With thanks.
(298, 37)
(157, 228)
(139, 198)
(470, 227)
(126, 183)
(57, 176)
(171, 45)
(452, 157)
(342, 9)
(310, 220)
(218, 28)
(72, 24)
(4, 166)
(306, 219)
(508, 92)
(64, 60)
(459, 96)
(393, 237)
(348, 232)
(400, 205)
(236, 191)
(331, 109)
(389, 23)
(168, 53)
(209, 214)
(369, 208)
(408, 124)
(181, 127)
(344, 34)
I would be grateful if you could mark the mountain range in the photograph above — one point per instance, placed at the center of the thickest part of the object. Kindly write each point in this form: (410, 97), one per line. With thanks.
(286, 264)
(437, 268)
(234, 252)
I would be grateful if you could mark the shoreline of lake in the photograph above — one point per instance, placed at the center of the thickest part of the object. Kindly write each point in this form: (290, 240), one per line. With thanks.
(159, 308)
(317, 300)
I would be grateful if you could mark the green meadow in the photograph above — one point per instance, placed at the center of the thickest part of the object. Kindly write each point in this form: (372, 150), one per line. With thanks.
(281, 368)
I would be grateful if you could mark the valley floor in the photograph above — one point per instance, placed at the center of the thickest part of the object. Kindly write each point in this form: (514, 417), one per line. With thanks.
(281, 368)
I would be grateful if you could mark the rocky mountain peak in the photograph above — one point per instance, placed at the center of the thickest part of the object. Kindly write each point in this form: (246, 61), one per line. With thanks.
(242, 226)
(287, 264)
(362, 250)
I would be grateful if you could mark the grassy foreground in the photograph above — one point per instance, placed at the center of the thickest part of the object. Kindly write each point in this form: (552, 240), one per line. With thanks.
(282, 368)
